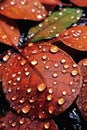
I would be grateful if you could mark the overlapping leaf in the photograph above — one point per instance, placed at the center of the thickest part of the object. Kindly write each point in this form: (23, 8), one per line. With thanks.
(79, 2)
(9, 32)
(23, 9)
(54, 24)
(75, 37)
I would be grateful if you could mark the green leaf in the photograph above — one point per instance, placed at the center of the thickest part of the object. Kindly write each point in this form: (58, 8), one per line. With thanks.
(54, 24)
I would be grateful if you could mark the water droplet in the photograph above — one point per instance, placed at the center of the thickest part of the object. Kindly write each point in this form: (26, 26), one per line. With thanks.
(46, 67)
(18, 79)
(39, 16)
(63, 61)
(41, 87)
(21, 121)
(49, 97)
(66, 66)
(13, 98)
(34, 62)
(26, 109)
(85, 63)
(13, 2)
(29, 90)
(23, 62)
(73, 90)
(6, 57)
(61, 101)
(47, 125)
(55, 75)
(64, 93)
(51, 109)
(23, 2)
(22, 100)
(50, 90)
(54, 49)
(74, 72)
(27, 73)
(13, 124)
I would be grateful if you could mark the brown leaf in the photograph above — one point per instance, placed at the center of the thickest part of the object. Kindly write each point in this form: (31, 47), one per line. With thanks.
(75, 37)
(25, 9)
(9, 32)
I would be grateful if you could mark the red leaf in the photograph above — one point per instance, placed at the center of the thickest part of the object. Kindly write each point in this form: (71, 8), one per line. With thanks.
(26, 9)
(9, 32)
(36, 85)
(12, 121)
(55, 66)
(82, 99)
(75, 37)
(79, 2)
(52, 2)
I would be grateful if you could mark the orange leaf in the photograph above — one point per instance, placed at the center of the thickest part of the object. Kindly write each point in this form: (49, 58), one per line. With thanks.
(23, 9)
(9, 32)
(75, 37)
(79, 2)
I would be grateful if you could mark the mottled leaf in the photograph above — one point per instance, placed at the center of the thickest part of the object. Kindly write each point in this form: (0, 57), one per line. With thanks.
(75, 37)
(23, 9)
(9, 32)
(79, 2)
(54, 24)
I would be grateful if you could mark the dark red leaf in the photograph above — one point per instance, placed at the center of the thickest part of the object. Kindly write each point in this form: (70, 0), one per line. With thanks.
(9, 32)
(82, 99)
(14, 122)
(25, 9)
(75, 37)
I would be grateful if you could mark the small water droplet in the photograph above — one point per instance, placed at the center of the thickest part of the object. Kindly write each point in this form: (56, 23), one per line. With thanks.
(61, 101)
(21, 121)
(55, 75)
(34, 62)
(47, 125)
(26, 109)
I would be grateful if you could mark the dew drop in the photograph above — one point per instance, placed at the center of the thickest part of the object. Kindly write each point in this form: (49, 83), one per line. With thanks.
(74, 72)
(14, 124)
(6, 57)
(21, 121)
(34, 62)
(54, 49)
(26, 109)
(41, 87)
(61, 101)
(55, 75)
(49, 97)
(47, 125)
(13, 2)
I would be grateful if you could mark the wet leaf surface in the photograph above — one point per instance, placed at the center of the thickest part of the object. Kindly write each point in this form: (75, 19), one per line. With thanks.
(9, 32)
(54, 24)
(25, 9)
(75, 37)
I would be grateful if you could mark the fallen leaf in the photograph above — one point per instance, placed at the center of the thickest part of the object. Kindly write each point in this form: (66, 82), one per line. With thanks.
(54, 24)
(23, 9)
(75, 37)
(9, 32)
